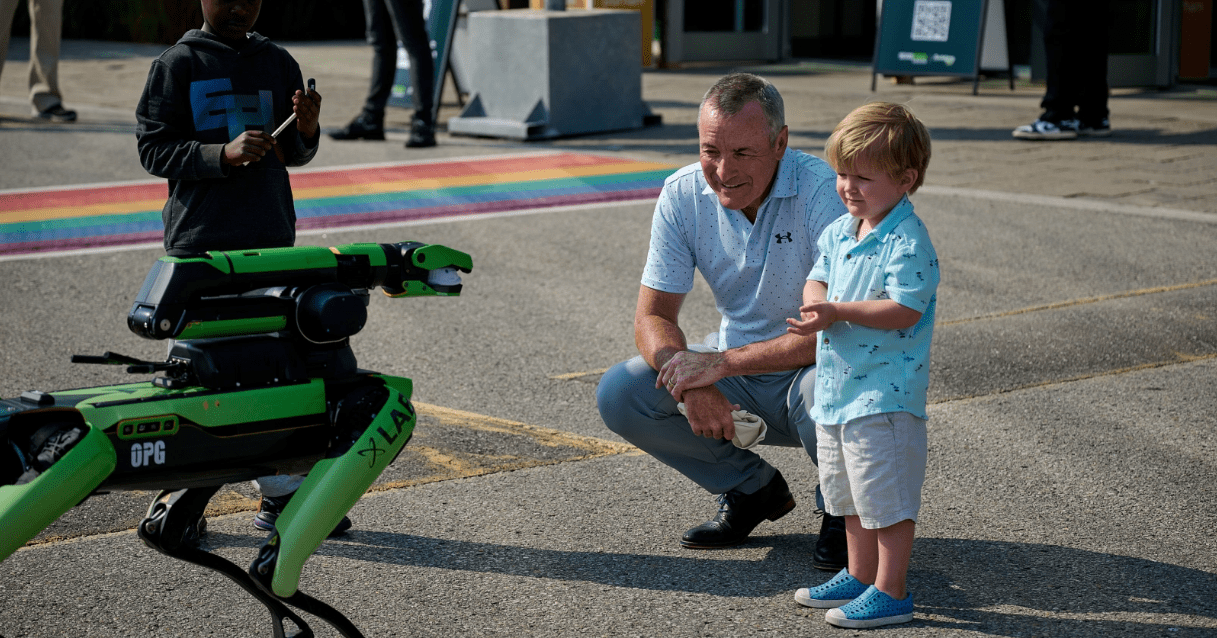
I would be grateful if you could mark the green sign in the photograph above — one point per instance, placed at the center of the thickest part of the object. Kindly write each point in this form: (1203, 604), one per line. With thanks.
(934, 37)
(441, 24)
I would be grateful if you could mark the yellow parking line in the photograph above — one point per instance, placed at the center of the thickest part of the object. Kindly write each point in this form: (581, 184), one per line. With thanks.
(452, 467)
(1080, 302)
(1180, 358)
(575, 375)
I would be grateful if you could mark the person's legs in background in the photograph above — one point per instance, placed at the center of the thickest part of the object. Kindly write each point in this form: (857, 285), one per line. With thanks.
(46, 28)
(411, 28)
(46, 31)
(370, 123)
(1075, 54)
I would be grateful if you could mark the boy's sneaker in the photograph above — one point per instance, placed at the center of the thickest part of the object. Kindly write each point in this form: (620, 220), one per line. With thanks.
(48, 444)
(1045, 130)
(271, 507)
(872, 609)
(842, 589)
(1101, 128)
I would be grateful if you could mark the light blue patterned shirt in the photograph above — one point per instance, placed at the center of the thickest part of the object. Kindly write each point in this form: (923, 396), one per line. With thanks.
(863, 371)
(756, 271)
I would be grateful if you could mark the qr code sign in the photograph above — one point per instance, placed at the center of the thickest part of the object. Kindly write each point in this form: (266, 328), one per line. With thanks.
(931, 20)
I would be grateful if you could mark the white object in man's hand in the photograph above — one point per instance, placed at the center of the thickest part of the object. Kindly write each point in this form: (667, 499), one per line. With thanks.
(749, 428)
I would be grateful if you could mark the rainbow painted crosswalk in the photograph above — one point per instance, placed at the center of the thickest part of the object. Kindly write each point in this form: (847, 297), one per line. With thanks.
(98, 216)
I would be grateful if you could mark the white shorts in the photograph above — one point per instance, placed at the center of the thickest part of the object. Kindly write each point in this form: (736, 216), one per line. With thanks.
(873, 467)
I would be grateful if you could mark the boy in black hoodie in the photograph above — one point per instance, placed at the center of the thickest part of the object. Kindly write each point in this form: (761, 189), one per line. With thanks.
(205, 121)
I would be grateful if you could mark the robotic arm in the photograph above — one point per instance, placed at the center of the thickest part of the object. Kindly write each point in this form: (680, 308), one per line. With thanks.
(307, 288)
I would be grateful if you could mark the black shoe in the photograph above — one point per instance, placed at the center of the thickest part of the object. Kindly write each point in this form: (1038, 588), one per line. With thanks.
(738, 514)
(48, 444)
(830, 553)
(1098, 128)
(359, 129)
(422, 134)
(57, 114)
(271, 507)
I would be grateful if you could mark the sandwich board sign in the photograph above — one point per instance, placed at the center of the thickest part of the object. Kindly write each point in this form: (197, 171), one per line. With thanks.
(941, 37)
(441, 24)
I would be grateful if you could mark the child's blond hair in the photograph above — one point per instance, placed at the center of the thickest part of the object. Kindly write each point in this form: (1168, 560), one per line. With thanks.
(886, 135)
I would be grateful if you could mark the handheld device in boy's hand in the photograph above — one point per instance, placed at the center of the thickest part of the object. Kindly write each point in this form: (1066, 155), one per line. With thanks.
(312, 86)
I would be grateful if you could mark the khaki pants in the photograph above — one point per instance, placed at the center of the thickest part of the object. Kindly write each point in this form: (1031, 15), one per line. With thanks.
(46, 19)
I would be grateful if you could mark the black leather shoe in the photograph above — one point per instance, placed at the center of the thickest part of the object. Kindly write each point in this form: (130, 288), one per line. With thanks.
(830, 553)
(738, 514)
(422, 134)
(57, 114)
(359, 129)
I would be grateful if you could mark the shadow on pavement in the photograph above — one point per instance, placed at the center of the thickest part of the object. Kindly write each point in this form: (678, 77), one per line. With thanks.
(1118, 136)
(1001, 588)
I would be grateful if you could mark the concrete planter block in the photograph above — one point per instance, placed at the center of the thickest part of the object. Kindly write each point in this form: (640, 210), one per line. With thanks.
(543, 74)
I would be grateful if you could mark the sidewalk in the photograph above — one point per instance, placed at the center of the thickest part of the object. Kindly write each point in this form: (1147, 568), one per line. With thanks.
(1163, 152)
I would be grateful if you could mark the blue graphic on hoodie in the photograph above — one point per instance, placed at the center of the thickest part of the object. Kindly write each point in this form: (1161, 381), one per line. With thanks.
(215, 106)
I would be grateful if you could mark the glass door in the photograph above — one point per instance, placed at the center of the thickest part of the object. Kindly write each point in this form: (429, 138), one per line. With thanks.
(1142, 46)
(724, 30)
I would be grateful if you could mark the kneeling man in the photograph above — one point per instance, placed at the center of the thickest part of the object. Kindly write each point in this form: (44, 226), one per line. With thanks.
(747, 217)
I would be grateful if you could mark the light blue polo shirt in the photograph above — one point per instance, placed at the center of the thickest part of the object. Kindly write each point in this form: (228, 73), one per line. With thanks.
(862, 371)
(756, 271)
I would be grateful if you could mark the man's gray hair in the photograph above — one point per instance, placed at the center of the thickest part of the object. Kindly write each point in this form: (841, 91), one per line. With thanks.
(735, 91)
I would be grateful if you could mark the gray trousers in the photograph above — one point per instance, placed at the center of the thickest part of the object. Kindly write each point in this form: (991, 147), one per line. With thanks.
(646, 416)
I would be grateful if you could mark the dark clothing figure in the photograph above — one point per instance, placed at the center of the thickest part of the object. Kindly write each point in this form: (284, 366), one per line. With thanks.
(1075, 47)
(200, 94)
(390, 21)
(1075, 44)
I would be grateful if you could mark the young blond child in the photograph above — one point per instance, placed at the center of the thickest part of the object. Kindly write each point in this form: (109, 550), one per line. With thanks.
(871, 297)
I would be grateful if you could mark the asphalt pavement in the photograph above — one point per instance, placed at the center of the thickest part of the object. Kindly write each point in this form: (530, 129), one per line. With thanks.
(1073, 386)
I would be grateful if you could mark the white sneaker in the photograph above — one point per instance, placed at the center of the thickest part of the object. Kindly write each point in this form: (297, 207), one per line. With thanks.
(1044, 130)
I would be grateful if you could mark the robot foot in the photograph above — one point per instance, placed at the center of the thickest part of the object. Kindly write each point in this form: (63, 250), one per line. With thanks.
(173, 527)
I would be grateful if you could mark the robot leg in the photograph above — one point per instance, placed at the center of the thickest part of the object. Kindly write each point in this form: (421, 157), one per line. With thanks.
(54, 465)
(375, 421)
(172, 528)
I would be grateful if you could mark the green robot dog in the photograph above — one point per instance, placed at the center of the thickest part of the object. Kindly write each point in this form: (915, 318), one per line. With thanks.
(260, 380)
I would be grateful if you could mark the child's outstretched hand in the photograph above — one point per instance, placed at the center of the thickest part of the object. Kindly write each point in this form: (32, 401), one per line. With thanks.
(249, 146)
(307, 107)
(815, 317)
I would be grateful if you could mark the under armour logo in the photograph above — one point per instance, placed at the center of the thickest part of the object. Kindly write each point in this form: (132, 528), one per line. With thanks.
(373, 450)
(781, 238)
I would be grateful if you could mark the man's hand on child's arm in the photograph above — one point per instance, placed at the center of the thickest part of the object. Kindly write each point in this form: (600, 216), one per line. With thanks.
(307, 107)
(249, 146)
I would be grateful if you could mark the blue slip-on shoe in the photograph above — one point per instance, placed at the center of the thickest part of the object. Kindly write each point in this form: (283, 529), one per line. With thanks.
(840, 590)
(872, 609)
